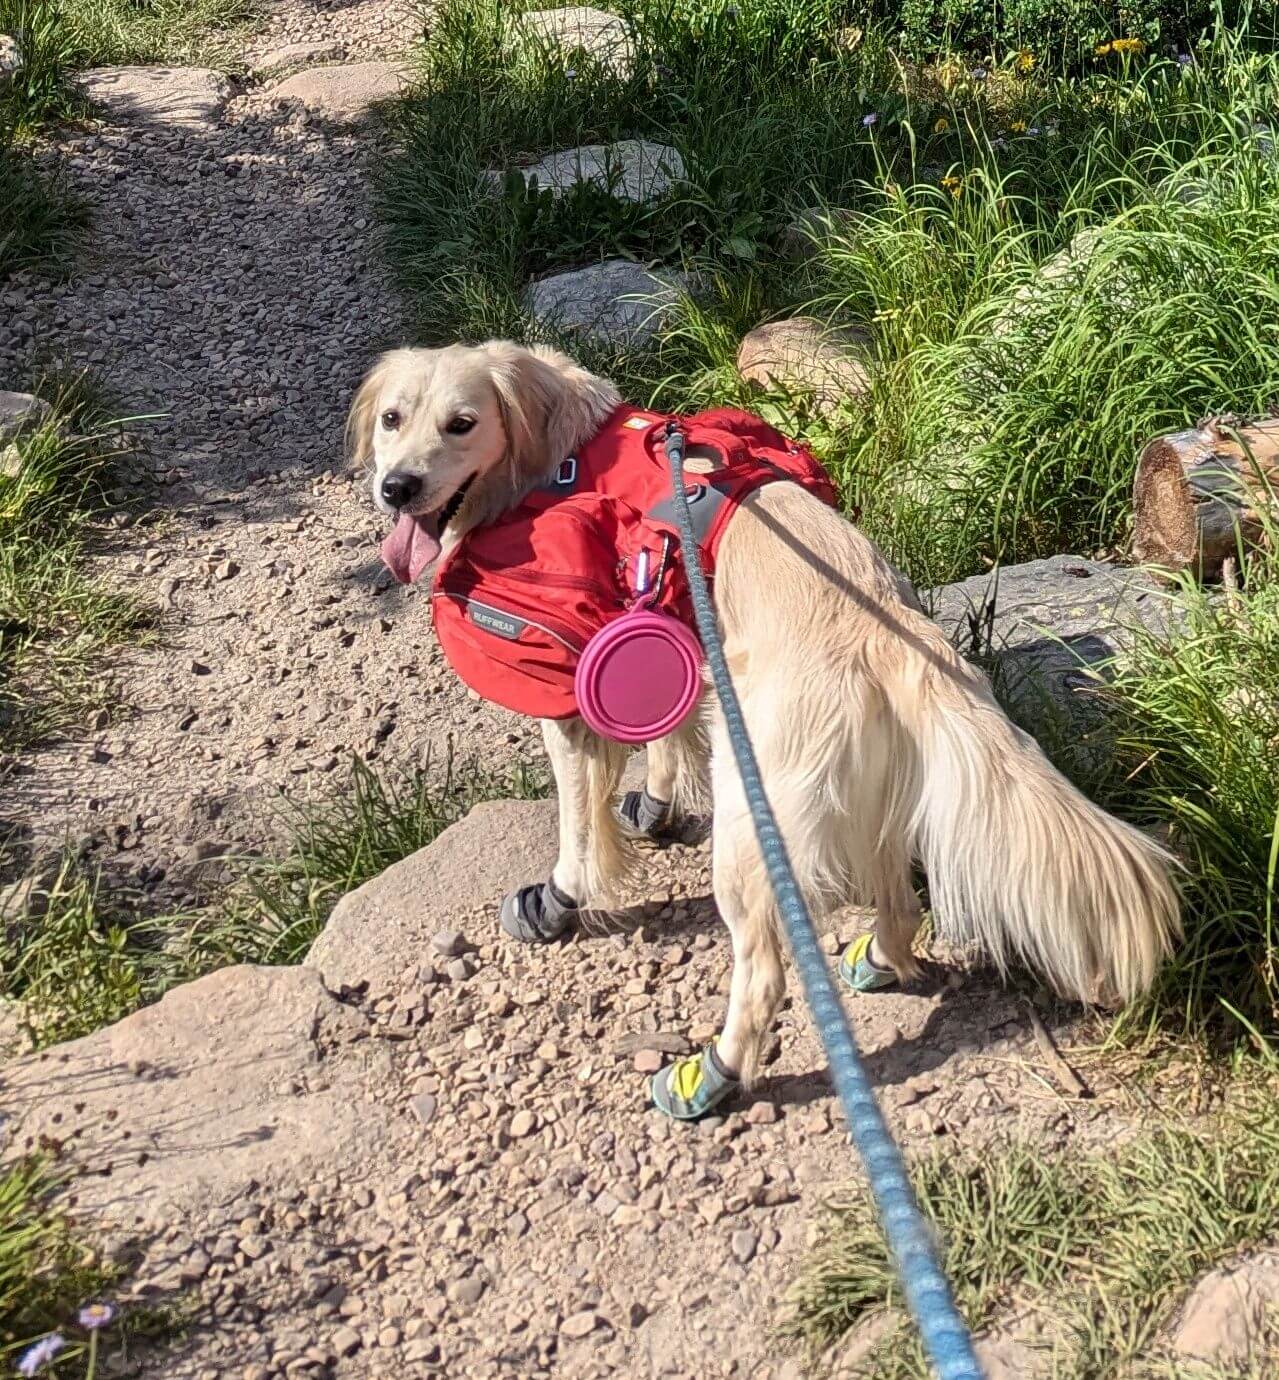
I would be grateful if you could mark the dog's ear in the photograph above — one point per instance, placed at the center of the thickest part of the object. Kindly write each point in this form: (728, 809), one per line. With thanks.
(550, 406)
(362, 417)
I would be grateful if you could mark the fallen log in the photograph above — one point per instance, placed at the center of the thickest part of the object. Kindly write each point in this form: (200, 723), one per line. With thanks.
(1202, 496)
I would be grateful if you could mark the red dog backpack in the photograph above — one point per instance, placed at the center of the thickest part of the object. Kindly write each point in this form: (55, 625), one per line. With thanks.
(516, 601)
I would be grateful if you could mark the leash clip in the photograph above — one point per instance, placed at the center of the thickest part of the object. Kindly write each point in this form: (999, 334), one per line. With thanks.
(646, 591)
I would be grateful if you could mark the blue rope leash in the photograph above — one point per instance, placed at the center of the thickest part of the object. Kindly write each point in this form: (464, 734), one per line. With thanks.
(928, 1295)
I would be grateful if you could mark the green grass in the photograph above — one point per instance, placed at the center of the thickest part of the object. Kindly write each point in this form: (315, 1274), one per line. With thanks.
(974, 446)
(46, 1275)
(97, 954)
(40, 222)
(199, 33)
(1197, 726)
(56, 619)
(1100, 1245)
(334, 845)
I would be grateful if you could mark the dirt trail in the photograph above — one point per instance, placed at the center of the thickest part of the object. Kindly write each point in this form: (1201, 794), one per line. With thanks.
(233, 282)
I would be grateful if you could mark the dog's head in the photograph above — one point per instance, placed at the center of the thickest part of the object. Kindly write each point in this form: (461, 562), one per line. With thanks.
(466, 430)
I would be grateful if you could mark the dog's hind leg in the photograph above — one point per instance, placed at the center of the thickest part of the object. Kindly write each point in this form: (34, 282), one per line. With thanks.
(898, 916)
(691, 1087)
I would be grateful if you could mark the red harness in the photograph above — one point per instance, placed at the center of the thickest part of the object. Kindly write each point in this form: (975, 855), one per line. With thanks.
(516, 601)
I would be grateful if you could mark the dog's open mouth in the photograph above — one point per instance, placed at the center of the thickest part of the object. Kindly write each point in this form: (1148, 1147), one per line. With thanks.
(414, 542)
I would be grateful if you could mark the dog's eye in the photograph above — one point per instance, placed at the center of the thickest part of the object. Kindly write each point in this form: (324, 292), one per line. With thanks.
(459, 426)
(391, 419)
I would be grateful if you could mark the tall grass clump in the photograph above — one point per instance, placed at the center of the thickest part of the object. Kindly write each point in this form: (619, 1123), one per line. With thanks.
(39, 220)
(1196, 716)
(1097, 1248)
(1032, 332)
(55, 617)
(334, 845)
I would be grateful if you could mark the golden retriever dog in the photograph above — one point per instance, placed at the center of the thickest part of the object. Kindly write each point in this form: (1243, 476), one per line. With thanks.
(878, 743)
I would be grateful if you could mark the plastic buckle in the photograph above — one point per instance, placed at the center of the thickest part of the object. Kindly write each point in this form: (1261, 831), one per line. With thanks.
(566, 475)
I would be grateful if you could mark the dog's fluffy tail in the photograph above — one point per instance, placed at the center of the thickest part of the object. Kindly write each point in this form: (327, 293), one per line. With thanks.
(1017, 858)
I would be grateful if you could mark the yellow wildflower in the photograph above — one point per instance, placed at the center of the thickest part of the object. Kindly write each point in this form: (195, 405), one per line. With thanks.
(1018, 126)
(954, 185)
(1102, 49)
(1128, 45)
(1025, 61)
(942, 125)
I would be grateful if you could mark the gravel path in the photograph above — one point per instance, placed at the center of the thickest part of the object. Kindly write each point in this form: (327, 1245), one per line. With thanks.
(233, 282)
(453, 1171)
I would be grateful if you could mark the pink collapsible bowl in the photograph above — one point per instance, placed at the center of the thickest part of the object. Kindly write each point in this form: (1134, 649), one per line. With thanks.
(639, 677)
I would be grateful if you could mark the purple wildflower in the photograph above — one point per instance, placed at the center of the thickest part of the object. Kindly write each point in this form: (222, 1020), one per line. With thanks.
(36, 1357)
(96, 1315)
(868, 120)
(571, 74)
(1185, 60)
(978, 74)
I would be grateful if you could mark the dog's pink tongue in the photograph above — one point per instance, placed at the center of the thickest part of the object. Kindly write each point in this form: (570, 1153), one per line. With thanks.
(411, 547)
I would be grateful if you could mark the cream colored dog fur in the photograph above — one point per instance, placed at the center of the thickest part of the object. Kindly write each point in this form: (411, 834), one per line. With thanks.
(878, 743)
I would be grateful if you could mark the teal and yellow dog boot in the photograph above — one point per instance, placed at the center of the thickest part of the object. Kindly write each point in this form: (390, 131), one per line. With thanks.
(859, 972)
(690, 1088)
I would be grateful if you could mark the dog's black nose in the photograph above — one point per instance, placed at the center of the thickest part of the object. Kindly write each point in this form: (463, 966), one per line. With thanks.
(400, 490)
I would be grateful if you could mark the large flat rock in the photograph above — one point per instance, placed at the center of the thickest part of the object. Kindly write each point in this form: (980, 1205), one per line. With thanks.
(291, 55)
(385, 926)
(20, 412)
(615, 303)
(1042, 628)
(342, 94)
(184, 97)
(227, 1080)
(1224, 1320)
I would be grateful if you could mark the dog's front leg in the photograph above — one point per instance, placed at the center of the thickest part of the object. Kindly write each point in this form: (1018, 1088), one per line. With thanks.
(566, 747)
(593, 854)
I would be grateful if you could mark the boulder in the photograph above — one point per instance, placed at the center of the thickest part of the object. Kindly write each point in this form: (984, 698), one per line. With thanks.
(10, 58)
(20, 411)
(802, 355)
(385, 926)
(1040, 628)
(615, 303)
(182, 97)
(1224, 1321)
(344, 95)
(1041, 298)
(226, 1081)
(632, 170)
(580, 30)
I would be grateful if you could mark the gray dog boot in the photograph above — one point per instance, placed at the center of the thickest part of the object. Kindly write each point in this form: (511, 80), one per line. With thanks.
(537, 914)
